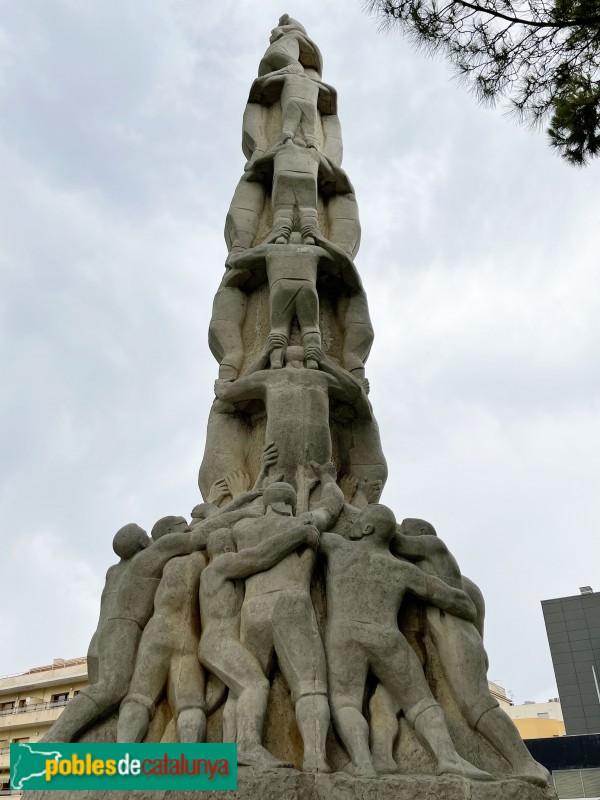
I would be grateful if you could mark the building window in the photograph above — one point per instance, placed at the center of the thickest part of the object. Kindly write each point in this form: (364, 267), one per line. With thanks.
(23, 702)
(21, 740)
(7, 705)
(543, 715)
(60, 698)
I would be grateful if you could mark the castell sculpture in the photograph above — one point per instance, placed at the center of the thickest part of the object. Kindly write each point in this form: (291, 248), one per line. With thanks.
(293, 615)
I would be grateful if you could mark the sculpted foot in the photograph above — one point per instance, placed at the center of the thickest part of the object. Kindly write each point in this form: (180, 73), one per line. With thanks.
(533, 773)
(255, 755)
(315, 765)
(385, 766)
(464, 768)
(364, 770)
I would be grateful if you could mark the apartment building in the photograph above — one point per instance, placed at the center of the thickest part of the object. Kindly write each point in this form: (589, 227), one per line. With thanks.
(31, 701)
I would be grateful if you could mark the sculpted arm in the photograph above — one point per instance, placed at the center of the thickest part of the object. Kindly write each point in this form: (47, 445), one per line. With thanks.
(416, 547)
(435, 591)
(348, 388)
(330, 541)
(248, 387)
(253, 258)
(265, 555)
(324, 514)
(167, 547)
(344, 262)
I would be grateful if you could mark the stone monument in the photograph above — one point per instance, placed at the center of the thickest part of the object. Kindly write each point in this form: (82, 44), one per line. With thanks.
(342, 651)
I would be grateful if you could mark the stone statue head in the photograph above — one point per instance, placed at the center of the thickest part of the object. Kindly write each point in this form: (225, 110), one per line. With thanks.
(203, 511)
(169, 525)
(220, 541)
(285, 25)
(129, 540)
(281, 498)
(416, 527)
(377, 521)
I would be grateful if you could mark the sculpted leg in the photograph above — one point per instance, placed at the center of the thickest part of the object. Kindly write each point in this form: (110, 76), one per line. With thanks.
(384, 730)
(254, 142)
(497, 727)
(134, 718)
(302, 661)
(343, 221)
(347, 669)
(463, 659)
(225, 330)
(186, 693)
(239, 669)
(399, 669)
(226, 443)
(241, 225)
(357, 331)
(147, 683)
(312, 715)
(230, 719)
(117, 647)
(307, 312)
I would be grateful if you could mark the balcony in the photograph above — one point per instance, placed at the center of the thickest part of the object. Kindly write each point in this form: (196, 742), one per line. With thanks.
(32, 715)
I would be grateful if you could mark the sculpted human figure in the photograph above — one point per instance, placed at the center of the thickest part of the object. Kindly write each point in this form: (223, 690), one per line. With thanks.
(365, 586)
(168, 656)
(297, 403)
(221, 652)
(128, 541)
(292, 273)
(459, 645)
(278, 615)
(120, 635)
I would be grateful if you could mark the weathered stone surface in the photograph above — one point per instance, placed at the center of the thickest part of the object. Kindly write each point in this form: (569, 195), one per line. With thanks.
(292, 785)
(312, 602)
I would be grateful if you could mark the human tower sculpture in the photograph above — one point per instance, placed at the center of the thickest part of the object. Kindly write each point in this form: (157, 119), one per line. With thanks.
(294, 601)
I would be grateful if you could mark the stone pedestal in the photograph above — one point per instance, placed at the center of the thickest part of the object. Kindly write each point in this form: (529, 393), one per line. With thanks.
(288, 784)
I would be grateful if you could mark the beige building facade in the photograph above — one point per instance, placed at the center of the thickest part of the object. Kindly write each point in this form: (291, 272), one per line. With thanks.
(32, 700)
(532, 720)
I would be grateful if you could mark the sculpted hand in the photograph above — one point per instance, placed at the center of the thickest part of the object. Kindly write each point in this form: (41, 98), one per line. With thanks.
(221, 389)
(323, 471)
(275, 340)
(313, 537)
(314, 352)
(348, 484)
(270, 455)
(232, 260)
(237, 482)
(218, 492)
(371, 490)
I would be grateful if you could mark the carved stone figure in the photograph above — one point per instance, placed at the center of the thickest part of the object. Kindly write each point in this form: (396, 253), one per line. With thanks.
(365, 587)
(302, 396)
(128, 541)
(310, 604)
(168, 657)
(120, 635)
(460, 649)
(278, 615)
(221, 598)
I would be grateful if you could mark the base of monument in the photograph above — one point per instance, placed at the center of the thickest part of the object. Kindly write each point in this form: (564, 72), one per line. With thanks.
(289, 784)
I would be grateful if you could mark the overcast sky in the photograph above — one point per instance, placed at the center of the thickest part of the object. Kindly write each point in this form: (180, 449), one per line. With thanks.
(120, 151)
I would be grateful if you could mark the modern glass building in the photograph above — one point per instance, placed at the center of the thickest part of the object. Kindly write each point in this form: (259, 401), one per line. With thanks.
(573, 628)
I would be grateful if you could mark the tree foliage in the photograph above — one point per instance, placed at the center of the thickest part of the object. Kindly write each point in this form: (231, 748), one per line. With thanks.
(542, 56)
